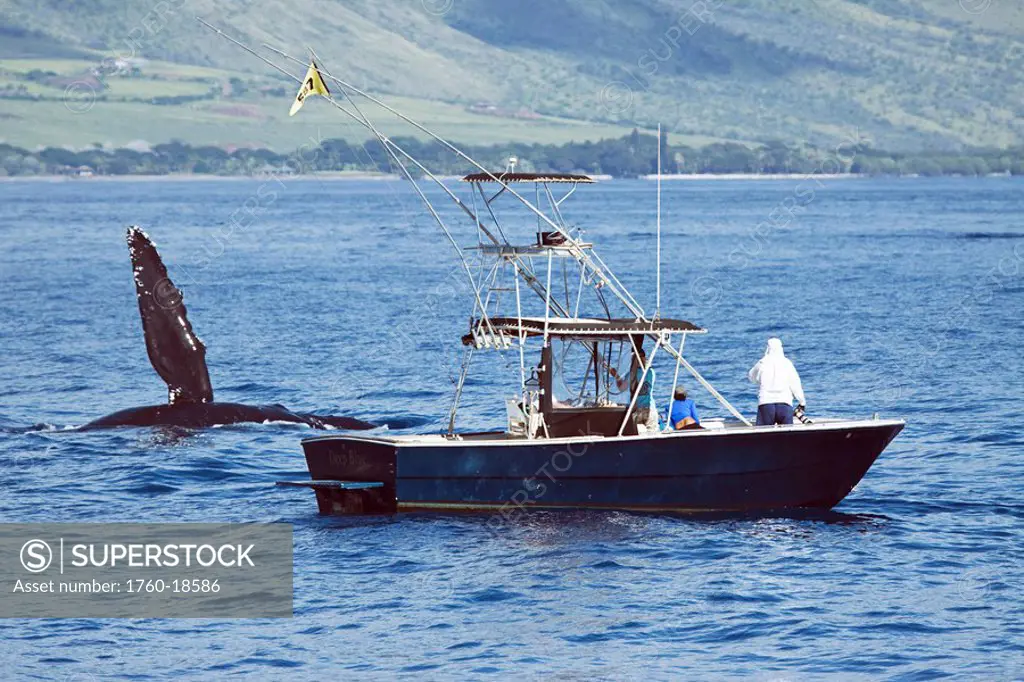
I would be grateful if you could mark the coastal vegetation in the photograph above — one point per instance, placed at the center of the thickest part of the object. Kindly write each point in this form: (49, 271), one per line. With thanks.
(628, 156)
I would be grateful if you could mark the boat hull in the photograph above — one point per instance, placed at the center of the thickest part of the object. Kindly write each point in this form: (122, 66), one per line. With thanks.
(732, 470)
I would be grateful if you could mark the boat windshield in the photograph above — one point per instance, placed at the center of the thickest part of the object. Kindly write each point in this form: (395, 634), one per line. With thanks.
(585, 373)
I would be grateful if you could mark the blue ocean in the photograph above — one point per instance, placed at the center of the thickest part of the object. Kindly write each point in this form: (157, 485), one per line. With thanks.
(902, 297)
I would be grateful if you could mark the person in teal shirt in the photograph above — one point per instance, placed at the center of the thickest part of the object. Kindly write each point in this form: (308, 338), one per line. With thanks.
(682, 413)
(645, 414)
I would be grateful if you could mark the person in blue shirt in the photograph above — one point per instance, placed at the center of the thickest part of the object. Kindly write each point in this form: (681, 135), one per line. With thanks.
(682, 413)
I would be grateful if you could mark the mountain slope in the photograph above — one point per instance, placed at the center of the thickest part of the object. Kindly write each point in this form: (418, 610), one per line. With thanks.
(912, 74)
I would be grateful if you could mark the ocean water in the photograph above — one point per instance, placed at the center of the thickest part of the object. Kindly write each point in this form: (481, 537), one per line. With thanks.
(901, 297)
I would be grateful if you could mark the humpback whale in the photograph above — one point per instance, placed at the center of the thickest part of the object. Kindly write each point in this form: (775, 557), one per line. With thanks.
(179, 357)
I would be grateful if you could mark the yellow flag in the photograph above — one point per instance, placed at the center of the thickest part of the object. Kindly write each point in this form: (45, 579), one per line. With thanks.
(312, 84)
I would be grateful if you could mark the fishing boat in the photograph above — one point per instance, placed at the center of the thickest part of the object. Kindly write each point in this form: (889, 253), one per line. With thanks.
(571, 439)
(541, 293)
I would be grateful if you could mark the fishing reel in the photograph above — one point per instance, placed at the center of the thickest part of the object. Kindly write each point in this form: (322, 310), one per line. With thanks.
(801, 415)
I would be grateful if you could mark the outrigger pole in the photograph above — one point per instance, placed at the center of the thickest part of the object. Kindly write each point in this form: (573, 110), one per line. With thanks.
(600, 269)
(392, 148)
(592, 260)
(389, 147)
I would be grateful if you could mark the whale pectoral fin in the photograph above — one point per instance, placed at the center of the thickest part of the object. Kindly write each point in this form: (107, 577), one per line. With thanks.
(175, 352)
(322, 421)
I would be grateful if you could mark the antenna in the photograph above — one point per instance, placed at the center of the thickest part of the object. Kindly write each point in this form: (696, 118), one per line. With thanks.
(657, 306)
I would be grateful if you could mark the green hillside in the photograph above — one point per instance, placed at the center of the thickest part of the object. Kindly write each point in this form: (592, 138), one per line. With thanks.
(913, 74)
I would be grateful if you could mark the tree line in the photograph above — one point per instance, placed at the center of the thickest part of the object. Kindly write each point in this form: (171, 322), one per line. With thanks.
(629, 156)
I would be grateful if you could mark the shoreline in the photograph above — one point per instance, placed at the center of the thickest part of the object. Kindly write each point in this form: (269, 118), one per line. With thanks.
(755, 176)
(195, 177)
(382, 177)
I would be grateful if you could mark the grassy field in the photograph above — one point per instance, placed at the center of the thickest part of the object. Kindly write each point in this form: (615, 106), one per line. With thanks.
(907, 74)
(169, 70)
(32, 124)
(82, 118)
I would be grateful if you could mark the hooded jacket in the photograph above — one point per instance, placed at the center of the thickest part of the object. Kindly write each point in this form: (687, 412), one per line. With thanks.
(776, 377)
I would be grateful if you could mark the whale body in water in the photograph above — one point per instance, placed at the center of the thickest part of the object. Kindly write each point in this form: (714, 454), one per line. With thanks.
(179, 357)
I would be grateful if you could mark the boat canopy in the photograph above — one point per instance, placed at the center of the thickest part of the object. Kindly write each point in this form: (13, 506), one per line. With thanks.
(507, 177)
(580, 327)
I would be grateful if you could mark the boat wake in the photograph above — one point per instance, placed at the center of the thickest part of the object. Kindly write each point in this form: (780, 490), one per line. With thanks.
(383, 423)
(40, 427)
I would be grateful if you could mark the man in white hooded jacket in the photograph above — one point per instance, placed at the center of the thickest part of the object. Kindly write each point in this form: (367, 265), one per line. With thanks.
(778, 384)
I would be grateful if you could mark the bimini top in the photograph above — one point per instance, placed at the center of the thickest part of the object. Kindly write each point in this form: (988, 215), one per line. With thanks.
(507, 177)
(575, 327)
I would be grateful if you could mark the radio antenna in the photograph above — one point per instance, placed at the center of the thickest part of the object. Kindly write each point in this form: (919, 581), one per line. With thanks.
(657, 306)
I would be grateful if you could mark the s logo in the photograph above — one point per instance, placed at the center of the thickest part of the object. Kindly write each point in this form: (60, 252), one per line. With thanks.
(36, 556)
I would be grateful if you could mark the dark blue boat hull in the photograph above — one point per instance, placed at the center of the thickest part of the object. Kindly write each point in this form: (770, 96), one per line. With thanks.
(733, 470)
